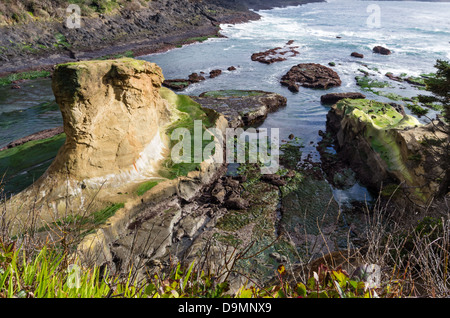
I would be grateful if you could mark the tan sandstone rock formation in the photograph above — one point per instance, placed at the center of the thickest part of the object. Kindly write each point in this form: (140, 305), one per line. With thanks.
(112, 112)
(114, 121)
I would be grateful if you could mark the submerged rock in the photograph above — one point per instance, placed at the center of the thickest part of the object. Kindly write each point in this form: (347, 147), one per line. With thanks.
(277, 54)
(310, 75)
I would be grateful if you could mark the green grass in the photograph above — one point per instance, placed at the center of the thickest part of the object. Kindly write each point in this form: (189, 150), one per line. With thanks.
(50, 274)
(129, 54)
(189, 112)
(146, 186)
(7, 80)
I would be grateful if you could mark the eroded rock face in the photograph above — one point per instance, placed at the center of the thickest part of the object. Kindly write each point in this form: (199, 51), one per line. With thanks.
(115, 123)
(388, 150)
(112, 114)
(310, 75)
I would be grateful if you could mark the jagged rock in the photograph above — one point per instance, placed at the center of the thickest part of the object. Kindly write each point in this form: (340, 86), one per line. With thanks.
(393, 77)
(277, 54)
(311, 75)
(215, 73)
(333, 98)
(381, 50)
(195, 78)
(274, 179)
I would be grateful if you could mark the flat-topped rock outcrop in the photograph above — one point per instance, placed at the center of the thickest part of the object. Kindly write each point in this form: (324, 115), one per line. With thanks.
(241, 107)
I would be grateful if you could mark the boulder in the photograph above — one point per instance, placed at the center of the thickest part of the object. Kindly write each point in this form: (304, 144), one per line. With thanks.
(112, 113)
(195, 78)
(333, 98)
(381, 50)
(114, 134)
(311, 75)
(356, 54)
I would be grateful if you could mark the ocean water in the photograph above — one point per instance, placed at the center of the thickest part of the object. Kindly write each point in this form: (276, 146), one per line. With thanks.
(418, 33)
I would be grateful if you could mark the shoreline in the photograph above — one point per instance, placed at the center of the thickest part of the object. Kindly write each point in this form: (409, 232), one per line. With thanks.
(143, 44)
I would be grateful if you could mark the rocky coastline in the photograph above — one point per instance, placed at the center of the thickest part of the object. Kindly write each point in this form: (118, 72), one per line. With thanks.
(164, 25)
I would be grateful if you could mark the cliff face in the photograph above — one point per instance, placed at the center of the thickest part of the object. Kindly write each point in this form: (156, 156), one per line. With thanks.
(389, 150)
(112, 114)
(115, 123)
(46, 40)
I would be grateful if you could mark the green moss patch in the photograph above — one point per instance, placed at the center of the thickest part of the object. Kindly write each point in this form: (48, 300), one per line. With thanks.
(23, 164)
(189, 111)
(7, 80)
(380, 124)
(146, 186)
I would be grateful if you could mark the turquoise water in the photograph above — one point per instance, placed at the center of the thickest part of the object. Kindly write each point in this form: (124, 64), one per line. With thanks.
(418, 33)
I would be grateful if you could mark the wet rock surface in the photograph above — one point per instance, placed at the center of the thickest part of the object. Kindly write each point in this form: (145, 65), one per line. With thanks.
(358, 55)
(310, 75)
(181, 83)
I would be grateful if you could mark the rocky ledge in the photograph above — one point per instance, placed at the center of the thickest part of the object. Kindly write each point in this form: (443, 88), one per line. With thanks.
(241, 108)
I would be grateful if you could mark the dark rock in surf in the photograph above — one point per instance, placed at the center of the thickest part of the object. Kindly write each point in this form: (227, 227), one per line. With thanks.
(310, 75)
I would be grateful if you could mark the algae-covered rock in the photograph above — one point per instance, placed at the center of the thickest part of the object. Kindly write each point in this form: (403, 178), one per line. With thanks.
(383, 146)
